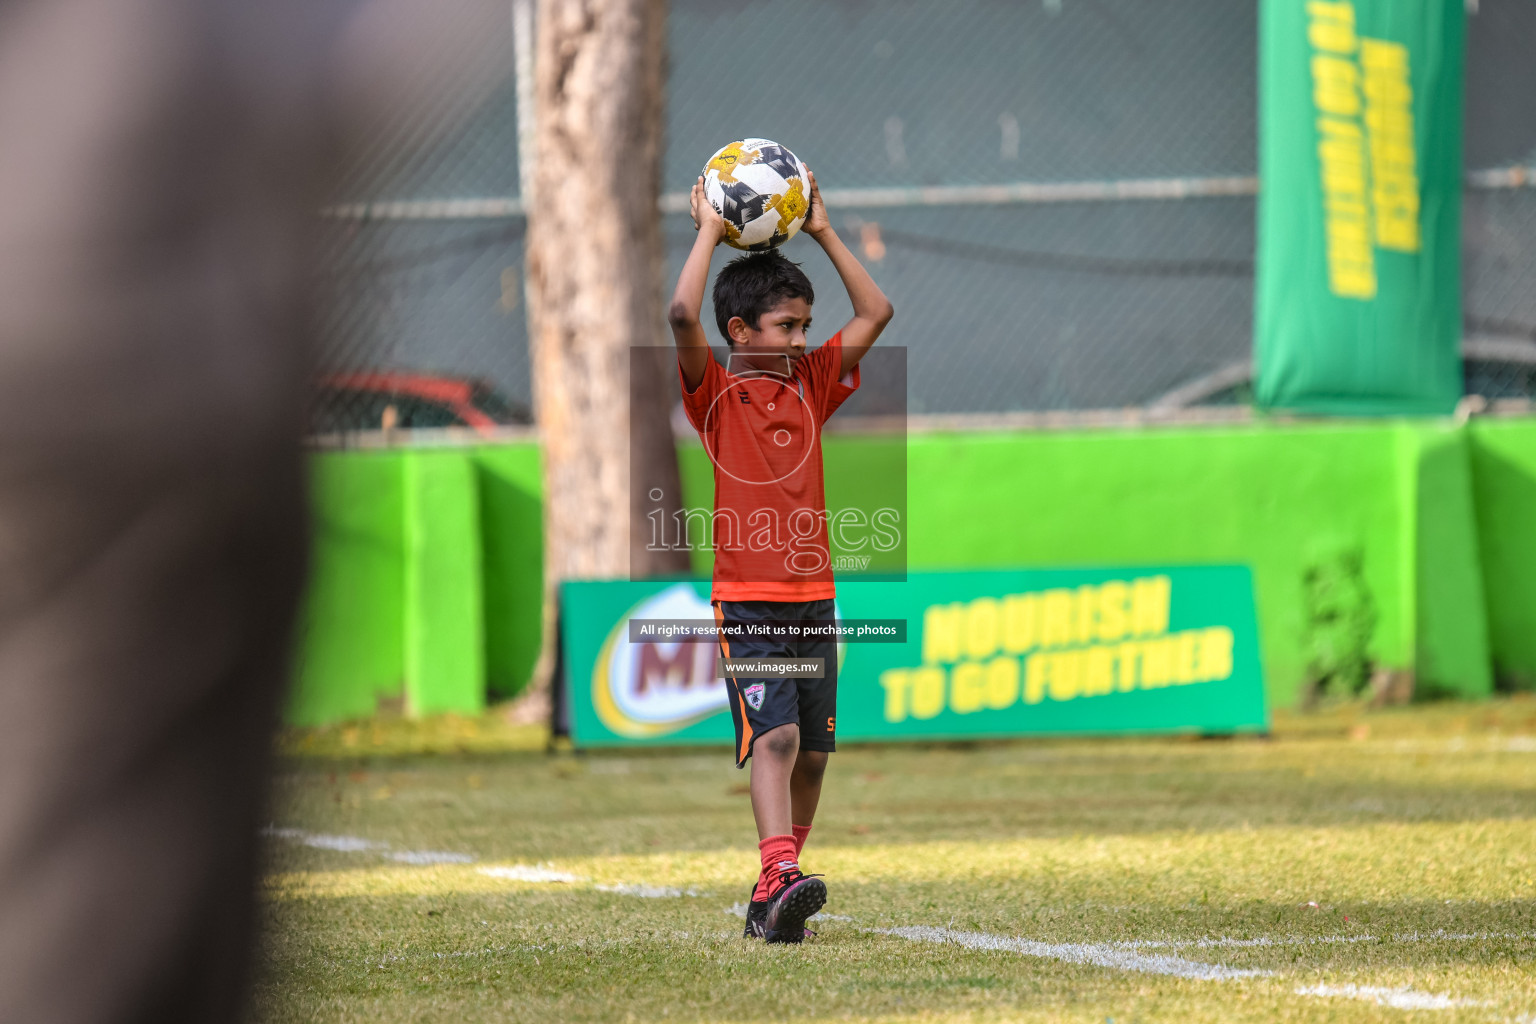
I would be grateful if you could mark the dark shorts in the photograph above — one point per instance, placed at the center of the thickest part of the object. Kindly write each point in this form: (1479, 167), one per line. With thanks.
(759, 704)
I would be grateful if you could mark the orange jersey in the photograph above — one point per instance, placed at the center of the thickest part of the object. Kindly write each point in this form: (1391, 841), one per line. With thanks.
(763, 435)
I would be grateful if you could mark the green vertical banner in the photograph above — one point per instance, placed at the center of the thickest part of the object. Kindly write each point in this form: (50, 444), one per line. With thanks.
(1358, 294)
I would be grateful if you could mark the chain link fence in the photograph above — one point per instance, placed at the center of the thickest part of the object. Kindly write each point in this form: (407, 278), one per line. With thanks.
(1123, 282)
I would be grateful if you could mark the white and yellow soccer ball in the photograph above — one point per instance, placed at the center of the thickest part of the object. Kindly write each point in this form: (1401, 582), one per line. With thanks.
(761, 190)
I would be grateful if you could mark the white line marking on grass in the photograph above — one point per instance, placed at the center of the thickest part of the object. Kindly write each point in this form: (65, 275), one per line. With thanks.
(1320, 940)
(650, 892)
(1445, 936)
(1227, 943)
(531, 873)
(430, 857)
(1077, 953)
(391, 958)
(1397, 998)
(356, 844)
(1121, 956)
(342, 844)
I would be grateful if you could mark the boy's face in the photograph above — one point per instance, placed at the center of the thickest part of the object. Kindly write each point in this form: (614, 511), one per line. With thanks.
(779, 332)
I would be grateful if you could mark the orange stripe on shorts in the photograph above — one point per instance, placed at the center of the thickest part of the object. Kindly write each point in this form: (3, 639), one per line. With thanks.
(746, 726)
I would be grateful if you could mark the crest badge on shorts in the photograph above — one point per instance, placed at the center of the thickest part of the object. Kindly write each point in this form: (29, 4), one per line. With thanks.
(754, 695)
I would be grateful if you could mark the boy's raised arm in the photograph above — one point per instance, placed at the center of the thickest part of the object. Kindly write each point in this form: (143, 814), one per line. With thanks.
(687, 299)
(871, 309)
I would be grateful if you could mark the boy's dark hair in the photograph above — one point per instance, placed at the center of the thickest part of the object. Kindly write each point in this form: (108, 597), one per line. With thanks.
(751, 285)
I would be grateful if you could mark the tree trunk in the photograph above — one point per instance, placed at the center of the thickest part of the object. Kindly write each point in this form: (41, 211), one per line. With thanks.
(595, 266)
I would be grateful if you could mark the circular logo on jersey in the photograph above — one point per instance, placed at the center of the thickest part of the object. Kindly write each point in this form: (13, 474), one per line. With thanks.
(780, 434)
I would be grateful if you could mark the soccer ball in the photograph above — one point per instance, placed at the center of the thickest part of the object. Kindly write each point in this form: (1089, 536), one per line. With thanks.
(762, 191)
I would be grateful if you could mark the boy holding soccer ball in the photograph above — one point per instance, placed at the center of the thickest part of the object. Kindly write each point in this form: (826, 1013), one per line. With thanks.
(760, 419)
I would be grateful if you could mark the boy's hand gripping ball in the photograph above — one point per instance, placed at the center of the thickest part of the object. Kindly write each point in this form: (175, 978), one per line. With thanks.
(761, 191)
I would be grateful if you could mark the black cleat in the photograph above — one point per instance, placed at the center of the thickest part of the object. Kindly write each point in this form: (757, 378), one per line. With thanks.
(799, 896)
(757, 918)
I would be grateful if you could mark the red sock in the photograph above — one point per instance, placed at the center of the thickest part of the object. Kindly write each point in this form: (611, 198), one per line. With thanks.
(801, 831)
(778, 853)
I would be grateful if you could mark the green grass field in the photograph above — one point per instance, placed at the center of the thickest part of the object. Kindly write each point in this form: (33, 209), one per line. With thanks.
(1356, 867)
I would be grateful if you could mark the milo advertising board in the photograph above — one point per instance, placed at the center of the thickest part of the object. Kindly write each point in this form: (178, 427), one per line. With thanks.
(942, 656)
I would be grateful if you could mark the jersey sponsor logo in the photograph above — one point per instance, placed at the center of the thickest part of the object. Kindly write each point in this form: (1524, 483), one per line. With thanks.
(754, 695)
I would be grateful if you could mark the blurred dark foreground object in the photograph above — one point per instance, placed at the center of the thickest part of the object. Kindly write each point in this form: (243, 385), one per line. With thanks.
(152, 369)
(161, 162)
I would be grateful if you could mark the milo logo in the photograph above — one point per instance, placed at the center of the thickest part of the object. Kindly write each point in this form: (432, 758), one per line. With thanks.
(653, 688)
